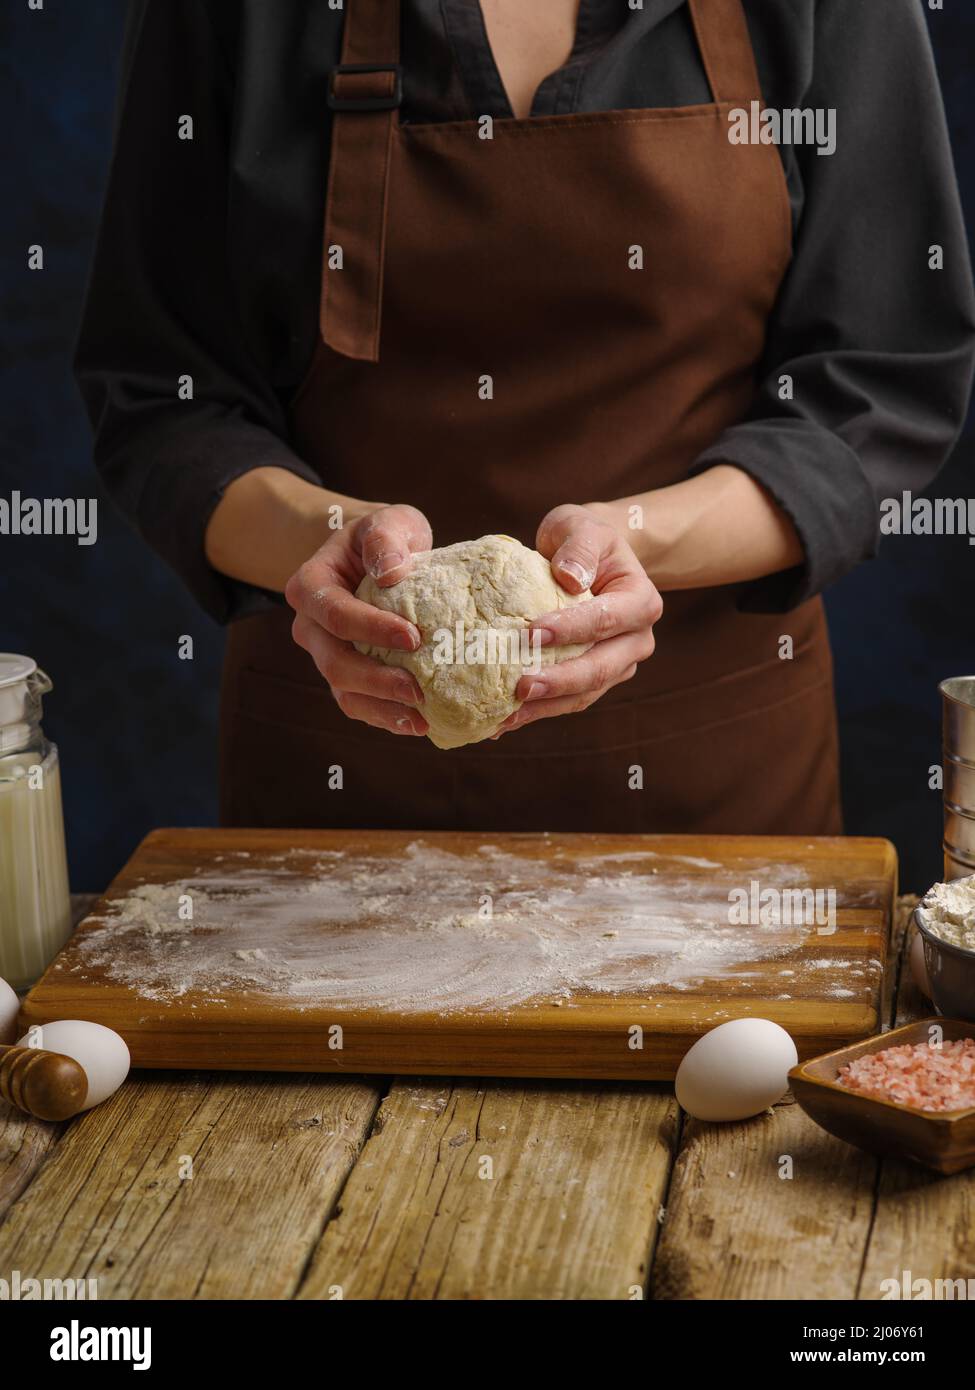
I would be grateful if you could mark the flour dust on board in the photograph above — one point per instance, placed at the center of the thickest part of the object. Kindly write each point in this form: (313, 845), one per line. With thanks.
(433, 931)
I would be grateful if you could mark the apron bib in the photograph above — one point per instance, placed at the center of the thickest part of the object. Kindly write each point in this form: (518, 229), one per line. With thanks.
(568, 311)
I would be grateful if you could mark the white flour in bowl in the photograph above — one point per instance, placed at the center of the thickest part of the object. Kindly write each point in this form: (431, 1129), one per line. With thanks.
(949, 911)
(430, 930)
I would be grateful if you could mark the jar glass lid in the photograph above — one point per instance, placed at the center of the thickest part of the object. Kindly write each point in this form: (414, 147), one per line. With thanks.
(21, 687)
(14, 668)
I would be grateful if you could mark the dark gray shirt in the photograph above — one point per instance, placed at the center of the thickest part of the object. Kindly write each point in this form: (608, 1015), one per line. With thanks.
(208, 263)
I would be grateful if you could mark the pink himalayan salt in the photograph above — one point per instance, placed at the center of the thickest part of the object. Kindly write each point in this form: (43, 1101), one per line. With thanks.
(928, 1078)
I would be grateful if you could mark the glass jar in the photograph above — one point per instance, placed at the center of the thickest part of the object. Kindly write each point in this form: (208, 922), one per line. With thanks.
(35, 907)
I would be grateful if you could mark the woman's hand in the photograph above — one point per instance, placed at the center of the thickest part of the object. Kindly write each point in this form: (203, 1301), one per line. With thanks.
(586, 552)
(329, 618)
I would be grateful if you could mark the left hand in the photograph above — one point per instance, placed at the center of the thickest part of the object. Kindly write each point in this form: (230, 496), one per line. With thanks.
(587, 552)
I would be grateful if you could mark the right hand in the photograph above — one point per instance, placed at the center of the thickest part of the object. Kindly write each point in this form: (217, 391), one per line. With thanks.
(329, 618)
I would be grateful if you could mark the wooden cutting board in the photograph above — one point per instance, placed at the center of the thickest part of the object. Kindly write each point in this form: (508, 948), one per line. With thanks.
(459, 954)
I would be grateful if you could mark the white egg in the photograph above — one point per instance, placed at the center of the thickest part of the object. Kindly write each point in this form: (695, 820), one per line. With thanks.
(919, 968)
(737, 1070)
(102, 1053)
(9, 1008)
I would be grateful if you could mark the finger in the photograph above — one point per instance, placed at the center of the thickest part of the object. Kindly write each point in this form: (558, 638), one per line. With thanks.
(577, 545)
(628, 603)
(381, 714)
(534, 710)
(387, 540)
(346, 669)
(598, 669)
(333, 608)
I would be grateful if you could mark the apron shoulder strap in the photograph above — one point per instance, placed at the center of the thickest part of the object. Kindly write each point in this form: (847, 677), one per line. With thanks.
(371, 32)
(726, 49)
(365, 91)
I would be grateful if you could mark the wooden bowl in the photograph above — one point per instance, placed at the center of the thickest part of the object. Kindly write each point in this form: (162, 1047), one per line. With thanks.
(942, 1140)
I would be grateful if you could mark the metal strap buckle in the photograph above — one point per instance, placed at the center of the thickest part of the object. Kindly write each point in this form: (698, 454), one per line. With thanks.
(381, 102)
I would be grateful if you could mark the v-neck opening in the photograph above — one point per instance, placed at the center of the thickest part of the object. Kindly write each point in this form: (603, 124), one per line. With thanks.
(558, 91)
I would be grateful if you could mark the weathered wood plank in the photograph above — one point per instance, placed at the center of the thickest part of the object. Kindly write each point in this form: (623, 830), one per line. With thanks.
(501, 1191)
(925, 1226)
(24, 1148)
(772, 1208)
(192, 1188)
(734, 1224)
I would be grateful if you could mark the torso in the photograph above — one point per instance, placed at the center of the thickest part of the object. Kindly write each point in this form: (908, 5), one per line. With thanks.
(516, 358)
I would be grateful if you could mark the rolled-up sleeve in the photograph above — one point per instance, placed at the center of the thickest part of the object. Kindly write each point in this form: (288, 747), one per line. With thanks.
(877, 342)
(178, 406)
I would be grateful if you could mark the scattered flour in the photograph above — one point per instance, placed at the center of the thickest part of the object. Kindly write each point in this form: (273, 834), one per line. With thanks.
(428, 930)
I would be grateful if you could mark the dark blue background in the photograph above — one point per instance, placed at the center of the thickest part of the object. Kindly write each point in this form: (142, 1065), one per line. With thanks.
(135, 725)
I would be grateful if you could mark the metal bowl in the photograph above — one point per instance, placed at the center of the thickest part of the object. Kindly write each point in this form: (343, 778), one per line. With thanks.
(951, 972)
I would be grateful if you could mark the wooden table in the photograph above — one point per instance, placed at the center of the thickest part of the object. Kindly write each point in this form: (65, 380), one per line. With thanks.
(191, 1185)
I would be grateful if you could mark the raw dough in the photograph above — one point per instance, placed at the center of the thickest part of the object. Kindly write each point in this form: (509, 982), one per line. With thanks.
(494, 583)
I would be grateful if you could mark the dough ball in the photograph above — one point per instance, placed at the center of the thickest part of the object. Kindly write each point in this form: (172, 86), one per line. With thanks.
(493, 588)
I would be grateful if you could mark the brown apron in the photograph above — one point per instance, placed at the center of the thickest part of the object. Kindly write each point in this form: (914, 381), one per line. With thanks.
(510, 258)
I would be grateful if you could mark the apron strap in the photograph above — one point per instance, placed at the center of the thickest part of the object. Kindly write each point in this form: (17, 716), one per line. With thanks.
(365, 91)
(726, 49)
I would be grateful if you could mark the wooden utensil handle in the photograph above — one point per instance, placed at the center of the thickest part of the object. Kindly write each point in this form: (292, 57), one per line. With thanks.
(47, 1085)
